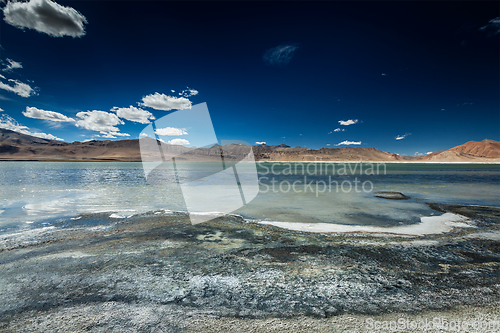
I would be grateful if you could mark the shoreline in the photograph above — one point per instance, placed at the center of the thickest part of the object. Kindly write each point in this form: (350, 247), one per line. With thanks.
(429, 225)
(379, 162)
(257, 161)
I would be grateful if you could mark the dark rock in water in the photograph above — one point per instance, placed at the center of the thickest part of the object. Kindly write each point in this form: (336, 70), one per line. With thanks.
(481, 214)
(391, 195)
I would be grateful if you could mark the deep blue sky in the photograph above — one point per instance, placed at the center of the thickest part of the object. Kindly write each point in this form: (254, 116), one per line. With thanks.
(426, 69)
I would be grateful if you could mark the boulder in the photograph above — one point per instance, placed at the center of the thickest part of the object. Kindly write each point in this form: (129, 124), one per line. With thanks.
(391, 195)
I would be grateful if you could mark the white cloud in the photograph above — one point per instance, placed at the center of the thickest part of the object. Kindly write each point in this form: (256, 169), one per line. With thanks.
(112, 135)
(493, 27)
(348, 122)
(10, 123)
(401, 137)
(188, 92)
(19, 88)
(280, 55)
(339, 130)
(164, 102)
(2, 77)
(260, 143)
(32, 112)
(346, 143)
(328, 144)
(46, 136)
(1, 110)
(181, 142)
(12, 65)
(142, 135)
(103, 122)
(45, 16)
(134, 114)
(429, 152)
(171, 131)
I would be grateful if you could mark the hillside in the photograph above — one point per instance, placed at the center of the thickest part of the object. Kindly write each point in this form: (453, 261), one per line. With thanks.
(486, 148)
(285, 153)
(17, 146)
(472, 151)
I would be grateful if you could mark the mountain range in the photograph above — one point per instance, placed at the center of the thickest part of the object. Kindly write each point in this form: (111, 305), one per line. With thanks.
(22, 147)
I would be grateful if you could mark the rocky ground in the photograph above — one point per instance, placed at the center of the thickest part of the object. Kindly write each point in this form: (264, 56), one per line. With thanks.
(158, 273)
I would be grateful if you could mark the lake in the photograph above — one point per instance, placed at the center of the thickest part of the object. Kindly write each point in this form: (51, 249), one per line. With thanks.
(37, 194)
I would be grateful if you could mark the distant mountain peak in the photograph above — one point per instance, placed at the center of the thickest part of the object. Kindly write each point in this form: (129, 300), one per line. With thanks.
(469, 151)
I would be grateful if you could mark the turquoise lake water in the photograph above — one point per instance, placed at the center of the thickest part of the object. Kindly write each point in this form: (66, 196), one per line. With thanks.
(35, 194)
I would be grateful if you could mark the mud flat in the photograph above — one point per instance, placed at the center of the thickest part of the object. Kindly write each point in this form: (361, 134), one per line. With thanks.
(157, 272)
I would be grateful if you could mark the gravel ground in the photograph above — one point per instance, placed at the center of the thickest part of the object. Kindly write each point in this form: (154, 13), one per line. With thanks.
(157, 273)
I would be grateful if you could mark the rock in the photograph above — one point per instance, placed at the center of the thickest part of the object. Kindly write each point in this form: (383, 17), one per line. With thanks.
(391, 195)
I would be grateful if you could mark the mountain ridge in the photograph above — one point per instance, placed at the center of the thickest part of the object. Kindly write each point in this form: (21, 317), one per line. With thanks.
(471, 151)
(22, 147)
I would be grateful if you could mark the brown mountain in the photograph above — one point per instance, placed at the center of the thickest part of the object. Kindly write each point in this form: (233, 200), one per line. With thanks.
(324, 154)
(486, 148)
(17, 146)
(472, 151)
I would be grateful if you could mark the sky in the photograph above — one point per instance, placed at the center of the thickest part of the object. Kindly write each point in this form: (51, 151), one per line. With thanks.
(404, 77)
